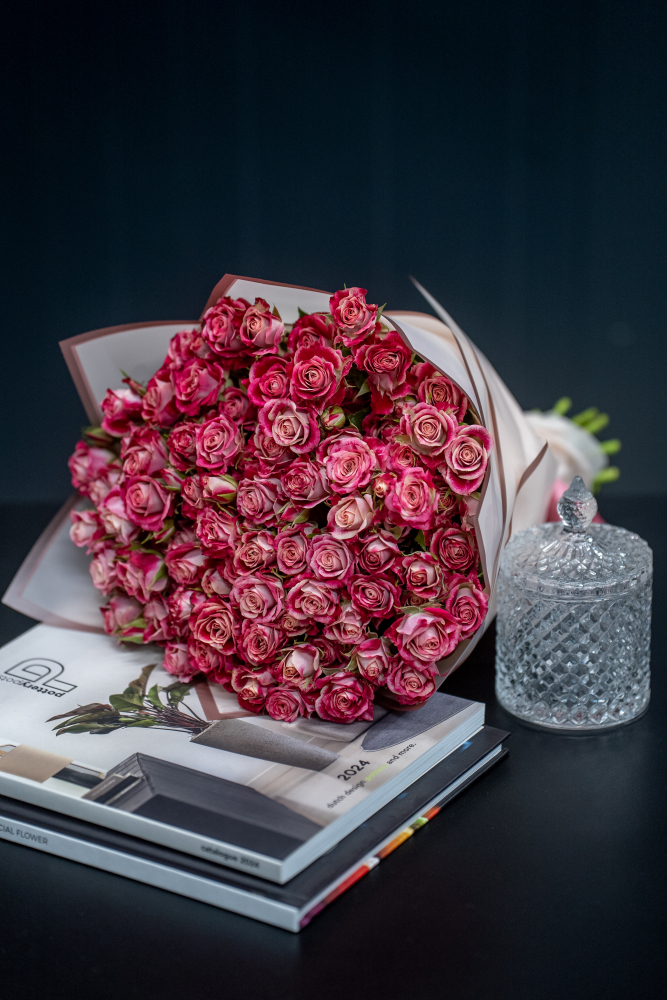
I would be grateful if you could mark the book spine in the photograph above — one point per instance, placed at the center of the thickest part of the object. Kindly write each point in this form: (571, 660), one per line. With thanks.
(150, 872)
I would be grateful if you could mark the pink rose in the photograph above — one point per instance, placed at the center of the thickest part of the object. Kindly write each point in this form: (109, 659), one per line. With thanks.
(269, 379)
(383, 485)
(345, 698)
(122, 618)
(328, 651)
(285, 704)
(378, 553)
(305, 483)
(411, 684)
(87, 530)
(88, 464)
(147, 503)
(351, 516)
(291, 426)
(143, 574)
(104, 570)
(374, 596)
(258, 597)
(254, 552)
(185, 346)
(454, 548)
(182, 445)
(221, 324)
(330, 559)
(269, 452)
(143, 452)
(423, 575)
(114, 516)
(218, 443)
(400, 457)
(314, 600)
(259, 641)
(414, 499)
(177, 662)
(214, 584)
(467, 457)
(374, 660)
(180, 606)
(217, 531)
(352, 314)
(99, 489)
(300, 666)
(292, 626)
(310, 330)
(215, 623)
(158, 406)
(197, 385)
(158, 625)
(185, 562)
(256, 499)
(235, 405)
(387, 362)
(120, 407)
(428, 429)
(425, 636)
(448, 503)
(291, 551)
(261, 331)
(466, 602)
(192, 494)
(318, 376)
(252, 687)
(349, 461)
(439, 391)
(349, 628)
(204, 658)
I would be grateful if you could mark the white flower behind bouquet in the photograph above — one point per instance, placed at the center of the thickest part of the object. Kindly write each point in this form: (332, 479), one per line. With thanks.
(574, 444)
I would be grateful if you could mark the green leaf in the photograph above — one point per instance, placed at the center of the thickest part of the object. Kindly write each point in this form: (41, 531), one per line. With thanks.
(143, 723)
(608, 475)
(562, 406)
(585, 416)
(124, 704)
(302, 313)
(610, 447)
(85, 729)
(420, 540)
(365, 387)
(154, 697)
(177, 692)
(357, 418)
(93, 707)
(597, 424)
(139, 685)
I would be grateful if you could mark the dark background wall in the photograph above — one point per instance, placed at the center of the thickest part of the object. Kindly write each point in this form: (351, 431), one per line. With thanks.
(511, 155)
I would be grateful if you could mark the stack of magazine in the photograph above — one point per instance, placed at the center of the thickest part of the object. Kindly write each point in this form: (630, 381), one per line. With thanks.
(268, 819)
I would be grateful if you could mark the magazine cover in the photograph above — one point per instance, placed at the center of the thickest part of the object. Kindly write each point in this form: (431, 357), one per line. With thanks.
(104, 734)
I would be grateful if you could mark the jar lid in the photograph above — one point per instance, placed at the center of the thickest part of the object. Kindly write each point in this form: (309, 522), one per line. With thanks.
(576, 559)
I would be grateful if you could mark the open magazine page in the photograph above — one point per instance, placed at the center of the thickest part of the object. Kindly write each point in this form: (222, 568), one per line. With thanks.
(264, 786)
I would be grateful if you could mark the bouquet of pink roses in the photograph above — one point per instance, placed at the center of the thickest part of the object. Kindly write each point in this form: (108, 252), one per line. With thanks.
(289, 509)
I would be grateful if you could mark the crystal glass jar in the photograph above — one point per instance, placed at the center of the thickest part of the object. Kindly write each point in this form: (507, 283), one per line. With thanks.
(574, 621)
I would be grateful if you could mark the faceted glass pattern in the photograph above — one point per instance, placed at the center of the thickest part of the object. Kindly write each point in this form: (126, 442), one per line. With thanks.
(573, 665)
(574, 621)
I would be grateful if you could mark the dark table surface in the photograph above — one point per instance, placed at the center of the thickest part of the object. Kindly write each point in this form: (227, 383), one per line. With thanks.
(546, 879)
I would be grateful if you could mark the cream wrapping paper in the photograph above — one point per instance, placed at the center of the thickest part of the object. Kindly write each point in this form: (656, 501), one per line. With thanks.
(53, 584)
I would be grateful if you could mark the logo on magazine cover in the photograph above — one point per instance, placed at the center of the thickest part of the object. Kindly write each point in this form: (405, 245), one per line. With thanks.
(40, 675)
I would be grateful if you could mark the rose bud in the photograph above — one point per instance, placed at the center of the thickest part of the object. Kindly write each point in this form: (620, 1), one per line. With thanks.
(411, 684)
(222, 489)
(333, 418)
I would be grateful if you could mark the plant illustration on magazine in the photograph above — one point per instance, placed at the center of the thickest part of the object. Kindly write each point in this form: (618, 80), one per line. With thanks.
(286, 509)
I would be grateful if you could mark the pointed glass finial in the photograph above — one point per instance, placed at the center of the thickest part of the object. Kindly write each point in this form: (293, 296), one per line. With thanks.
(577, 507)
